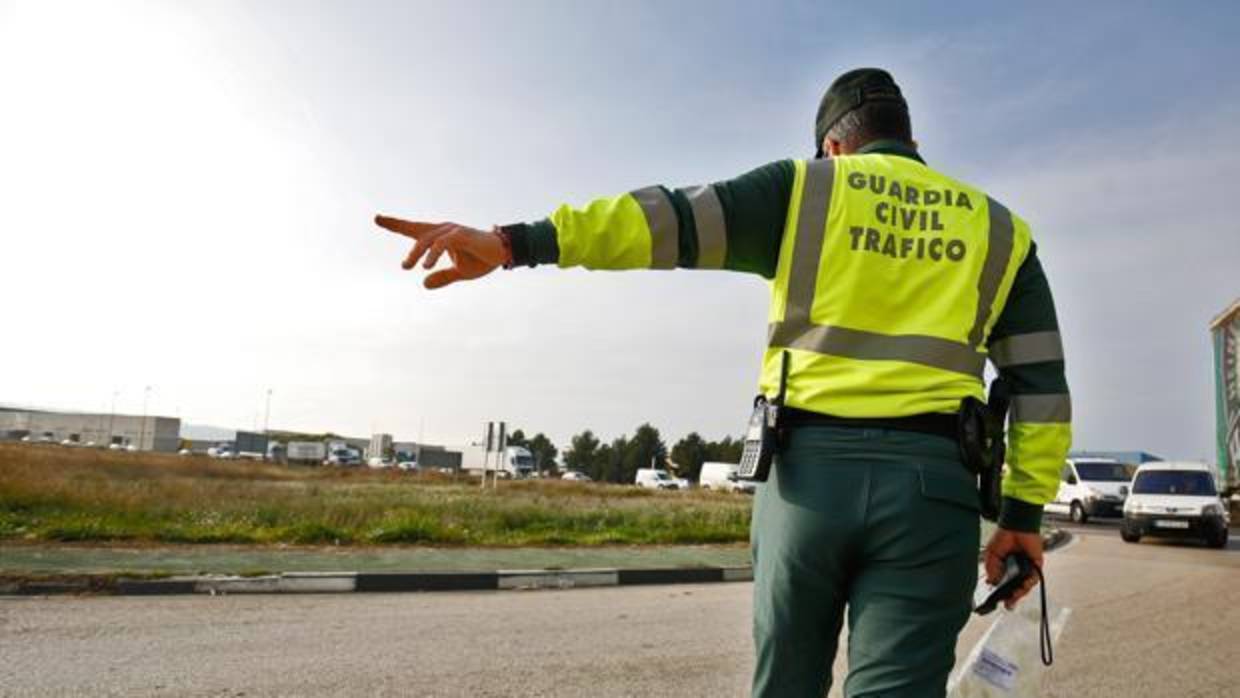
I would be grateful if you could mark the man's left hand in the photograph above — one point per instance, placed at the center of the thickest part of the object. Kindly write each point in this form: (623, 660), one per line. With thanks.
(1003, 543)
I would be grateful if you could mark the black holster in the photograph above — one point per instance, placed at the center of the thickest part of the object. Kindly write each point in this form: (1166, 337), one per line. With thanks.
(983, 446)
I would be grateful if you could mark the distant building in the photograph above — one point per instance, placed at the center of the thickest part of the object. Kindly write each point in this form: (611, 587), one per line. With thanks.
(1129, 457)
(150, 433)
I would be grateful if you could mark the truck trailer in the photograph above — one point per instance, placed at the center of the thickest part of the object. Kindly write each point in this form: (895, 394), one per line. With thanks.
(1225, 333)
(306, 452)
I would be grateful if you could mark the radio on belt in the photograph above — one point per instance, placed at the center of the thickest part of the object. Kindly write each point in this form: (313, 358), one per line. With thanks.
(762, 435)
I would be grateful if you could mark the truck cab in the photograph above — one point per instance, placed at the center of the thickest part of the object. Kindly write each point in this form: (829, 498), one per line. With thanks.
(1092, 487)
(518, 462)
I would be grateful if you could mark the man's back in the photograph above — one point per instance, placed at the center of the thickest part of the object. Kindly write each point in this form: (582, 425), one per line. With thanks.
(890, 277)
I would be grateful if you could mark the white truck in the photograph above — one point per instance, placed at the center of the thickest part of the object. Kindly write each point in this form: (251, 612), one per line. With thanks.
(1092, 487)
(1180, 499)
(659, 479)
(722, 476)
(306, 452)
(514, 462)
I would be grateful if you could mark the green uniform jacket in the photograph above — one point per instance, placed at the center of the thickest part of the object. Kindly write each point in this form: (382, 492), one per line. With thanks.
(753, 208)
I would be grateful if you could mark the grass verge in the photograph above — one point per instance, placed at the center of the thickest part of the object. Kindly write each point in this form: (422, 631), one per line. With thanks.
(52, 493)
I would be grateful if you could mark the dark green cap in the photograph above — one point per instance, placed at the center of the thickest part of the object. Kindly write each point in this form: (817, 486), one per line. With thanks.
(849, 91)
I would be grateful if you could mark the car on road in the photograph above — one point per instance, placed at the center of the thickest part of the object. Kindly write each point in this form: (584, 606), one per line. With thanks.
(722, 476)
(1091, 487)
(576, 475)
(659, 479)
(1176, 499)
(344, 457)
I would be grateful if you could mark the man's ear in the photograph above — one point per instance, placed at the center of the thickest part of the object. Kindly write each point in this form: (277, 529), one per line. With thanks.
(832, 148)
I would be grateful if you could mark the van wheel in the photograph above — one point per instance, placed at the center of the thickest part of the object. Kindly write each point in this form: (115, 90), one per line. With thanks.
(1078, 513)
(1218, 540)
(1129, 536)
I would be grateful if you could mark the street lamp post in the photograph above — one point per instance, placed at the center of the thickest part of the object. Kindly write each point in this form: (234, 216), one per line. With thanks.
(267, 412)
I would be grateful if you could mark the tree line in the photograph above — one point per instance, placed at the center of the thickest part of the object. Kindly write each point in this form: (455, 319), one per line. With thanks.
(619, 459)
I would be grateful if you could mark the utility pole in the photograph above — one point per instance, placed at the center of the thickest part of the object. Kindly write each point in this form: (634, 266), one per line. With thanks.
(267, 412)
(146, 394)
(486, 452)
(112, 418)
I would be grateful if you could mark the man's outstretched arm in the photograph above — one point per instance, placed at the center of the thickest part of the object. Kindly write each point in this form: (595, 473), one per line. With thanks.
(735, 224)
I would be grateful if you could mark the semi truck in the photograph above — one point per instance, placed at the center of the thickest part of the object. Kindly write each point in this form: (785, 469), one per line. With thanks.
(306, 452)
(1225, 333)
(514, 461)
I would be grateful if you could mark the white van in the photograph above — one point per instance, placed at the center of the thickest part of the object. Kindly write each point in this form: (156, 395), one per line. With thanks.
(722, 476)
(1091, 487)
(659, 479)
(1176, 500)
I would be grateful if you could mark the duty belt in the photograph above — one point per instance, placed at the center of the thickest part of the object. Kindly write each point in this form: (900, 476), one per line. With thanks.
(933, 423)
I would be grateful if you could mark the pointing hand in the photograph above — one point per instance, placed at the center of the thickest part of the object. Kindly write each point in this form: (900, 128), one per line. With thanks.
(474, 253)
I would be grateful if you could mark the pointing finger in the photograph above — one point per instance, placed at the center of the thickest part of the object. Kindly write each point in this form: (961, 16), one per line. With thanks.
(412, 229)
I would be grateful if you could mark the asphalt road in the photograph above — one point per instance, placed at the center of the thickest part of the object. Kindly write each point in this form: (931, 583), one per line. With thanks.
(1153, 619)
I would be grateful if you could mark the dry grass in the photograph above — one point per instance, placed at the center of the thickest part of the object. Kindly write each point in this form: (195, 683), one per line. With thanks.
(62, 494)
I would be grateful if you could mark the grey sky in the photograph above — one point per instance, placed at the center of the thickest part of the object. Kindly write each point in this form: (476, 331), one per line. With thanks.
(187, 188)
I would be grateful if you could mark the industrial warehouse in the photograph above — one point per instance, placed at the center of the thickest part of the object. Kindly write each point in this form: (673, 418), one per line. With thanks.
(164, 435)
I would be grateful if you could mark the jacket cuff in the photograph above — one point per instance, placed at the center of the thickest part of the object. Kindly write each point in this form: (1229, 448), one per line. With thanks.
(533, 243)
(1017, 515)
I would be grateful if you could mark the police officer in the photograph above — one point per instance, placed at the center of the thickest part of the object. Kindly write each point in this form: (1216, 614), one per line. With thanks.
(893, 283)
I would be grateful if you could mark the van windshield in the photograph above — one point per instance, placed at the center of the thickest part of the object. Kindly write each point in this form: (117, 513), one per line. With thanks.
(1193, 483)
(1103, 472)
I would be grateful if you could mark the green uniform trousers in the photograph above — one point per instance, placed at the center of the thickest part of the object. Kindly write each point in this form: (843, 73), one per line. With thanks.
(883, 523)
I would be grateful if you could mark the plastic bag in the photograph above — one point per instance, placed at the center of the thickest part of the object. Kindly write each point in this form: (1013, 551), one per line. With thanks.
(1007, 661)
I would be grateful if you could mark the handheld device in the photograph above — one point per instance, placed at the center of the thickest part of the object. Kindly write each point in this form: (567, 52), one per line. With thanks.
(762, 434)
(1016, 569)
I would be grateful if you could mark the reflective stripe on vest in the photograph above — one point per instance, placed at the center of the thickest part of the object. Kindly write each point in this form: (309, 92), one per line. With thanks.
(798, 331)
(1030, 348)
(662, 222)
(708, 220)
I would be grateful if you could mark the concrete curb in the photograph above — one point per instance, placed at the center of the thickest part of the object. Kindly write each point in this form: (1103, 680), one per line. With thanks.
(1054, 539)
(371, 582)
(379, 582)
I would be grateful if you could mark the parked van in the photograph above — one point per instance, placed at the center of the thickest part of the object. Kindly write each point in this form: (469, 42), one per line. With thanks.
(1091, 487)
(659, 479)
(1177, 500)
(722, 476)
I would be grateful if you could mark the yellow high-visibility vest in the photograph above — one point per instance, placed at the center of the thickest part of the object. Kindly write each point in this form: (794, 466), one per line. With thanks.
(890, 278)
